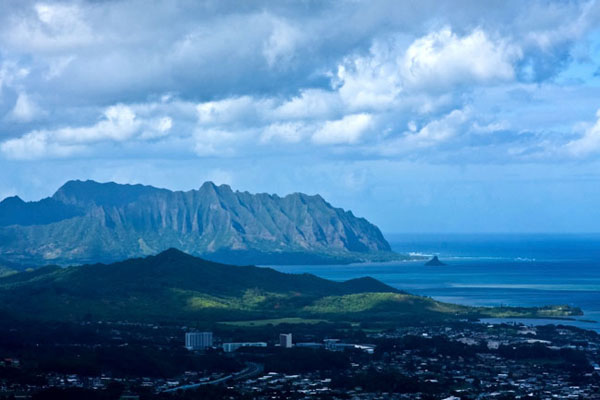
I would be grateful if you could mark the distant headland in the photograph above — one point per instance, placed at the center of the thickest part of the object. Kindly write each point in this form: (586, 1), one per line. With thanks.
(434, 262)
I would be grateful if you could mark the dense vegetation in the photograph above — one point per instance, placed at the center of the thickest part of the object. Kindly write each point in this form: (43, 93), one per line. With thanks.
(174, 286)
(87, 222)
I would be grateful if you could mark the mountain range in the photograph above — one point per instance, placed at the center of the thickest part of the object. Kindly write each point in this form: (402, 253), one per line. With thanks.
(88, 222)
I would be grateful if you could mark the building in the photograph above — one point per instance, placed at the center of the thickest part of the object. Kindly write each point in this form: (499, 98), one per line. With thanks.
(230, 347)
(198, 340)
(310, 345)
(336, 345)
(285, 340)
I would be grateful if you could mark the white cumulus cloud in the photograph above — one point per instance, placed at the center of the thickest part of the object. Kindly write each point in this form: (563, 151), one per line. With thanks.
(392, 73)
(37, 145)
(443, 59)
(433, 133)
(371, 81)
(290, 132)
(347, 130)
(309, 104)
(230, 110)
(118, 124)
(588, 143)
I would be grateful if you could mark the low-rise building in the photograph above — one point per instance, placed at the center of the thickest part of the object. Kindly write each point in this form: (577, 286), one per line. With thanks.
(231, 347)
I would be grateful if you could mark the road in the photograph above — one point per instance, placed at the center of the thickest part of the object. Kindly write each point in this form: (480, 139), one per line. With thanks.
(251, 370)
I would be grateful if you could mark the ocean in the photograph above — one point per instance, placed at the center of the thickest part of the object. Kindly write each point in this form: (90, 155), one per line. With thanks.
(490, 270)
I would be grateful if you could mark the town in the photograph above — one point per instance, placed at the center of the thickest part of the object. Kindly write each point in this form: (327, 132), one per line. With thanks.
(460, 360)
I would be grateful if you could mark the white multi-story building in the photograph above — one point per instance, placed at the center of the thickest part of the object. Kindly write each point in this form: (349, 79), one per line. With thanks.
(285, 340)
(230, 347)
(198, 340)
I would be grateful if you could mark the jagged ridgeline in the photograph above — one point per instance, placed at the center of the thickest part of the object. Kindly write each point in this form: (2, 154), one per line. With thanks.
(102, 222)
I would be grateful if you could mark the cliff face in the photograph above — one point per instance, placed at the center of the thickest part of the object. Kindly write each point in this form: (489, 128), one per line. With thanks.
(90, 221)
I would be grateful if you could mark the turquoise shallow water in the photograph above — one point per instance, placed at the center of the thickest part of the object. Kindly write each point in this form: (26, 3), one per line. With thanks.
(490, 270)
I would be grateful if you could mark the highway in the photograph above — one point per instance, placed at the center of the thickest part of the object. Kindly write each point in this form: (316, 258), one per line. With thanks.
(251, 370)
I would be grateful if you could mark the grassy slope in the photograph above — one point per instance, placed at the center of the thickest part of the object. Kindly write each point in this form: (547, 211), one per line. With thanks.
(176, 286)
(391, 306)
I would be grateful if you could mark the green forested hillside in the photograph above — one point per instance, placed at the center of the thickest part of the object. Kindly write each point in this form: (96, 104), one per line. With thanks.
(176, 286)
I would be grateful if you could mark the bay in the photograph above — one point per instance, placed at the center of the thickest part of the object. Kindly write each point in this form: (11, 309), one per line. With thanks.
(490, 270)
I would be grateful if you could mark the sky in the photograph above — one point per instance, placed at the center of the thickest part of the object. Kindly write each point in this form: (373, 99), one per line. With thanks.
(421, 116)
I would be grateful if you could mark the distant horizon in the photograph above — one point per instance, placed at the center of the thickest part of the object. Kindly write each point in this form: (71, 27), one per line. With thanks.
(386, 232)
(597, 233)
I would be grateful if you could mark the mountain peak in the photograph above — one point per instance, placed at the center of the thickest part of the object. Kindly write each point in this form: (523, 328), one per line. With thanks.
(171, 250)
(86, 193)
(77, 185)
(225, 188)
(172, 253)
(208, 185)
(12, 201)
(15, 211)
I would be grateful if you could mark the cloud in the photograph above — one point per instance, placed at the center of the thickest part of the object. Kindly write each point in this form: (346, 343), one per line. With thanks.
(213, 51)
(442, 60)
(213, 142)
(309, 104)
(158, 127)
(433, 64)
(203, 79)
(231, 110)
(392, 78)
(347, 130)
(492, 127)
(50, 27)
(588, 143)
(118, 124)
(433, 133)
(11, 73)
(25, 109)
(437, 131)
(289, 132)
(57, 65)
(559, 27)
(368, 82)
(164, 124)
(279, 47)
(343, 98)
(36, 145)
